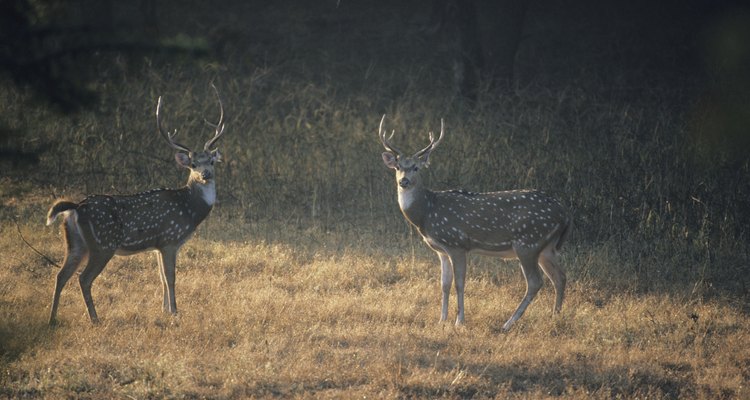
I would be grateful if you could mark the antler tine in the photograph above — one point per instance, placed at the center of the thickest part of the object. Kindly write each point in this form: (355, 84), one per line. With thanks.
(167, 136)
(433, 143)
(219, 126)
(386, 141)
(442, 130)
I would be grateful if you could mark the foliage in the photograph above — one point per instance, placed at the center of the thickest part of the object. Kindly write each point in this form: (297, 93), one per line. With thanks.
(306, 281)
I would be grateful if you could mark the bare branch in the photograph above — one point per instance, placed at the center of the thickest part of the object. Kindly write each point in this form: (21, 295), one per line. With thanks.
(44, 256)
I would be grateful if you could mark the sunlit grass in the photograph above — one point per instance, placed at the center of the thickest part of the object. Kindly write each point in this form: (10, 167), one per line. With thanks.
(305, 281)
(297, 319)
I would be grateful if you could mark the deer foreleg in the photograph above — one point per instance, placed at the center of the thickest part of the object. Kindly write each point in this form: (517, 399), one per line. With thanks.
(446, 281)
(167, 261)
(458, 262)
(164, 287)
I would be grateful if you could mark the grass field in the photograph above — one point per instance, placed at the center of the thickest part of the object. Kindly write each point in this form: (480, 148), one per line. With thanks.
(306, 282)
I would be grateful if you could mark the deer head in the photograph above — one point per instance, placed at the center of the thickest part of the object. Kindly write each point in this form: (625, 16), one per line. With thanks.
(407, 167)
(200, 164)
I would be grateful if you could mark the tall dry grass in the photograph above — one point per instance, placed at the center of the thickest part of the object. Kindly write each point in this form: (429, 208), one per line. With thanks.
(294, 317)
(305, 281)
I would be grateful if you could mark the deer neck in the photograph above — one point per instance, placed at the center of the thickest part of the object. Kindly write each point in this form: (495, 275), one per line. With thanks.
(415, 203)
(202, 196)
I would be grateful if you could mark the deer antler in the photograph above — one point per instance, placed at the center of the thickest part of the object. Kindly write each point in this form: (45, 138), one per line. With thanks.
(433, 143)
(386, 141)
(169, 137)
(219, 126)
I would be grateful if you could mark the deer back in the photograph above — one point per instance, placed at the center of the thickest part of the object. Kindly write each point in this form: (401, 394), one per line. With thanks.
(148, 220)
(493, 222)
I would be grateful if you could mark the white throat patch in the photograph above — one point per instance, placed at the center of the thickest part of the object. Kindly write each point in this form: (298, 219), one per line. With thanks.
(208, 192)
(405, 198)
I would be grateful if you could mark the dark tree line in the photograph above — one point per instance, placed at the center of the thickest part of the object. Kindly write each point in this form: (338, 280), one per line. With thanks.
(46, 44)
(489, 33)
(28, 56)
(49, 46)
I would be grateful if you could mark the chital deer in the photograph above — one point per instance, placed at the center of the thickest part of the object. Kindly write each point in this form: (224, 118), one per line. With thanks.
(520, 224)
(101, 226)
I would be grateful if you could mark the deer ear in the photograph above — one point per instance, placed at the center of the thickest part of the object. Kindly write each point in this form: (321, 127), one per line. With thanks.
(182, 159)
(389, 160)
(216, 155)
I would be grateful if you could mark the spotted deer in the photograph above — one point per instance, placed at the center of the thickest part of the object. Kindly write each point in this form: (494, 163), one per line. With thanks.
(102, 226)
(526, 225)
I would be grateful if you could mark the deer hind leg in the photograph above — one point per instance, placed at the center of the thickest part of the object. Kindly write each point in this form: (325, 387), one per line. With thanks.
(167, 261)
(446, 282)
(98, 259)
(75, 252)
(551, 266)
(530, 268)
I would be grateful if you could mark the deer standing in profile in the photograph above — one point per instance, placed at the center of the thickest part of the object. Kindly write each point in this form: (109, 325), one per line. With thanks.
(101, 226)
(520, 224)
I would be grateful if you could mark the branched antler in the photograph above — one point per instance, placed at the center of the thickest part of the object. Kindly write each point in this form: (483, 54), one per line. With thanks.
(424, 152)
(219, 126)
(386, 140)
(433, 143)
(169, 137)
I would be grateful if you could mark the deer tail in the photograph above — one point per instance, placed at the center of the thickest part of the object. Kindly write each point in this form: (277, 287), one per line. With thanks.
(565, 232)
(60, 207)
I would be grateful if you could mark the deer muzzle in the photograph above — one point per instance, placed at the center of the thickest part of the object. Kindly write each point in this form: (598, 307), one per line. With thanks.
(404, 183)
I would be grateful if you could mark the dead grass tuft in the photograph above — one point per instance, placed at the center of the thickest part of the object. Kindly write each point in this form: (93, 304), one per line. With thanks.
(305, 281)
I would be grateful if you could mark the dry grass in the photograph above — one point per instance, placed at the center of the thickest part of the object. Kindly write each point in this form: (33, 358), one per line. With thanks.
(306, 282)
(351, 319)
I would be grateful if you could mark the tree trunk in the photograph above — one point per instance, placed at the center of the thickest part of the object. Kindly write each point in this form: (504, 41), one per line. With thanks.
(488, 34)
(503, 21)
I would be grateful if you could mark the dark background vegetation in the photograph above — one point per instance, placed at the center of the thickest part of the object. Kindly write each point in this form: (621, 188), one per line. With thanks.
(305, 281)
(635, 113)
